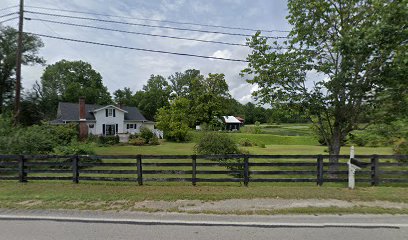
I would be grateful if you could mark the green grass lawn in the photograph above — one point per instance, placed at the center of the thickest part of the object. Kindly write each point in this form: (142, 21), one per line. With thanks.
(101, 196)
(172, 148)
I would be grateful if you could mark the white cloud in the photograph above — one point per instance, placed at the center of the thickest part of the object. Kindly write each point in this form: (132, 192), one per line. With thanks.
(222, 54)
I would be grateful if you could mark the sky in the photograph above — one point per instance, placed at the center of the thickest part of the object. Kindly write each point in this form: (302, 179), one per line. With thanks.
(127, 68)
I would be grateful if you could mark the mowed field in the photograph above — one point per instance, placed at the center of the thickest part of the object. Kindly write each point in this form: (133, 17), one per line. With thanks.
(278, 139)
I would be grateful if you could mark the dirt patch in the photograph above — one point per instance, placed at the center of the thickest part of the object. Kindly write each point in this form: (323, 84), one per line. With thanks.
(232, 205)
(224, 206)
(30, 203)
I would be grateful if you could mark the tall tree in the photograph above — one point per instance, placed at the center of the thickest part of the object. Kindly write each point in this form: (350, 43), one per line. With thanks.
(69, 80)
(209, 98)
(124, 97)
(8, 47)
(183, 83)
(155, 95)
(349, 43)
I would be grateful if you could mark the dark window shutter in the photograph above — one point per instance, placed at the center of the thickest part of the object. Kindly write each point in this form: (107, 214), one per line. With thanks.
(135, 125)
(116, 127)
(103, 129)
(106, 112)
(127, 126)
(114, 112)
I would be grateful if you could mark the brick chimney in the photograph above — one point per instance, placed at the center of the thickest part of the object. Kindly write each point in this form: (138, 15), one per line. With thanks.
(83, 127)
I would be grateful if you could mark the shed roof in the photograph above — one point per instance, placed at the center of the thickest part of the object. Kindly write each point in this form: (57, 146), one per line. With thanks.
(231, 119)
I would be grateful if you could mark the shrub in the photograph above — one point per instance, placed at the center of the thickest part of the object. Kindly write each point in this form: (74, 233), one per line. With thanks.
(31, 140)
(146, 134)
(64, 133)
(261, 145)
(401, 147)
(258, 128)
(75, 148)
(133, 136)
(154, 140)
(137, 141)
(246, 142)
(218, 143)
(108, 140)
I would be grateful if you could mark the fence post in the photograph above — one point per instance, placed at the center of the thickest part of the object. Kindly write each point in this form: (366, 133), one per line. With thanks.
(75, 170)
(246, 170)
(194, 173)
(139, 170)
(22, 175)
(375, 173)
(319, 180)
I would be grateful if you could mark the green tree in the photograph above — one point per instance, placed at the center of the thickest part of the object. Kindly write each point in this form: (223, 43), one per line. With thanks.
(174, 120)
(349, 43)
(208, 96)
(155, 95)
(124, 97)
(183, 84)
(68, 80)
(210, 99)
(8, 47)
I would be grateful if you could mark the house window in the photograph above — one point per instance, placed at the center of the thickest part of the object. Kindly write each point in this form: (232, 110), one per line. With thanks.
(110, 112)
(131, 126)
(91, 126)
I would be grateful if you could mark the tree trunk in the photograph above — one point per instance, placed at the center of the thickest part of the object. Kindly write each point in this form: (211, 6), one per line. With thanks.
(334, 151)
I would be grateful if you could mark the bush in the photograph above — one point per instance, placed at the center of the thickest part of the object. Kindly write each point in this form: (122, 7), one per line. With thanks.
(108, 140)
(64, 133)
(146, 134)
(258, 128)
(154, 140)
(246, 142)
(137, 141)
(401, 147)
(75, 148)
(31, 140)
(213, 143)
(133, 136)
(261, 145)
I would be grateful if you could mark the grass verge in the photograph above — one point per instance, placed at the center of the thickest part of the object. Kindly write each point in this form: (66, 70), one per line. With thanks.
(106, 196)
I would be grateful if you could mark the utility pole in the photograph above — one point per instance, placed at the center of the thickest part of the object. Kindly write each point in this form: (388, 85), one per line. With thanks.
(18, 65)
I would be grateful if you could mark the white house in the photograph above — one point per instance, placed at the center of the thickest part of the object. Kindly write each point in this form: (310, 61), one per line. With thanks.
(101, 120)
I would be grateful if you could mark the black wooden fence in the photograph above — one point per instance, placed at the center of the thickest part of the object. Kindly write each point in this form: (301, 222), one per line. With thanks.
(202, 168)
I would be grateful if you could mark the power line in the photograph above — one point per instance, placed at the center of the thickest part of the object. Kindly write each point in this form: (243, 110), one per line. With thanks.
(10, 19)
(137, 49)
(9, 14)
(136, 33)
(151, 26)
(163, 21)
(8, 7)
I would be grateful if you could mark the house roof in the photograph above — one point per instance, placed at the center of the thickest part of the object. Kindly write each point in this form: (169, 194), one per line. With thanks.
(70, 112)
(109, 106)
(240, 119)
(231, 119)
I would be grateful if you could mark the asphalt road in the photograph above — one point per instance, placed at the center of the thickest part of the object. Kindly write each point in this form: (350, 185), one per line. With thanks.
(67, 225)
(51, 230)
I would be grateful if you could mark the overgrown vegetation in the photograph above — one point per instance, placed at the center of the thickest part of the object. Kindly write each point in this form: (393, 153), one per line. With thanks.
(211, 143)
(36, 139)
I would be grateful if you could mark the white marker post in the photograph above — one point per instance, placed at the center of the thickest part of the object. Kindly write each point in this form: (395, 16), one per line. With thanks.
(352, 170)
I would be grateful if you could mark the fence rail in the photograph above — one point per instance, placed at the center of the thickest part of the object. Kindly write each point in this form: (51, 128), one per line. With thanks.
(202, 168)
